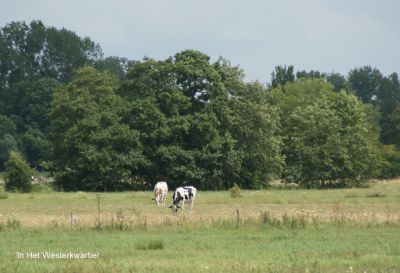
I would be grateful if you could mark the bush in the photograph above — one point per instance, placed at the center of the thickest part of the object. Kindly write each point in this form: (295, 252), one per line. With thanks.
(377, 195)
(13, 223)
(235, 191)
(18, 174)
(153, 244)
(43, 187)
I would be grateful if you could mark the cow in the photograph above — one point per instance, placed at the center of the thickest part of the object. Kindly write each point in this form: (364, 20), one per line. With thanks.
(183, 194)
(160, 193)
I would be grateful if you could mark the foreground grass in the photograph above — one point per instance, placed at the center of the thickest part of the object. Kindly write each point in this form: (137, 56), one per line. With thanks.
(207, 249)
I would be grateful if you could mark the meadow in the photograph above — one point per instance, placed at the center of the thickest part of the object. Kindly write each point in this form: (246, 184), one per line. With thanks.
(275, 230)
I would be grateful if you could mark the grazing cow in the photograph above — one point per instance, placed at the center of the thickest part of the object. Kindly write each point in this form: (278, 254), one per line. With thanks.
(183, 194)
(160, 193)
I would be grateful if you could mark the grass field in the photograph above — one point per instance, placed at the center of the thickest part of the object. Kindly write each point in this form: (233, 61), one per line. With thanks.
(278, 230)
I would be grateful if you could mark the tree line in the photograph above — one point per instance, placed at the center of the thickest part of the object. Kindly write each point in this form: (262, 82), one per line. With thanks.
(106, 124)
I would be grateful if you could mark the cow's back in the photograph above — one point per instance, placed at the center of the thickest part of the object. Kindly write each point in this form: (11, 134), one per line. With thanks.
(162, 185)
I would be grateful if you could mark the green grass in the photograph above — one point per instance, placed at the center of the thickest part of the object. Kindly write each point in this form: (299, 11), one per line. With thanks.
(212, 249)
(341, 230)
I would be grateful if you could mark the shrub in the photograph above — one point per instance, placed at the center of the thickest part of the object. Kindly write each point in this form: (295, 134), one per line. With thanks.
(18, 174)
(377, 195)
(43, 187)
(150, 245)
(235, 191)
(13, 223)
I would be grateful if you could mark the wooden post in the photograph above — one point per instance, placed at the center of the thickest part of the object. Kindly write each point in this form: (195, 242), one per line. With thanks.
(72, 220)
(237, 217)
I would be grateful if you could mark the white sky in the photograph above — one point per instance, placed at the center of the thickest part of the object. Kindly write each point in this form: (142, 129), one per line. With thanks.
(324, 35)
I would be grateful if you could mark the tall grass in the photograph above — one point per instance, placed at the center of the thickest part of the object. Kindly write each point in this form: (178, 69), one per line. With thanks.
(265, 220)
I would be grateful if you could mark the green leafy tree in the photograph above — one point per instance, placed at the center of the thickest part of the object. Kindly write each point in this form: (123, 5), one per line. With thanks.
(394, 130)
(18, 174)
(388, 104)
(282, 75)
(366, 82)
(8, 139)
(36, 147)
(178, 101)
(186, 109)
(92, 148)
(27, 104)
(30, 100)
(382, 92)
(313, 74)
(328, 141)
(391, 162)
(255, 128)
(338, 81)
(116, 65)
(35, 51)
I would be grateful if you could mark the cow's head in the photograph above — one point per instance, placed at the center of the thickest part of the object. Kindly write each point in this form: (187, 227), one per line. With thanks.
(176, 199)
(175, 208)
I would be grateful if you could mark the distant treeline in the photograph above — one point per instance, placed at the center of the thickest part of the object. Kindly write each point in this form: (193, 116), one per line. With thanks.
(112, 123)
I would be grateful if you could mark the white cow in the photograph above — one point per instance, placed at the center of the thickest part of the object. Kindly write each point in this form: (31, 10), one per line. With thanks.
(160, 193)
(185, 194)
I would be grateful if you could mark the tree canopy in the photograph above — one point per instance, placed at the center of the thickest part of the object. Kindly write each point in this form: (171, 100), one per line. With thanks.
(327, 139)
(190, 122)
(92, 149)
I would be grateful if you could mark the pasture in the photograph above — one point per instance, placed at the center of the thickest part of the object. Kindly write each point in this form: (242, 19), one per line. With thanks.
(277, 230)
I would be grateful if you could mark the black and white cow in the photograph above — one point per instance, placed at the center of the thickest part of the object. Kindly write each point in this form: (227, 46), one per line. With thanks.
(183, 195)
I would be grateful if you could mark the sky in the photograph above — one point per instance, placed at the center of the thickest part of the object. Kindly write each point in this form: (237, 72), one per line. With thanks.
(324, 35)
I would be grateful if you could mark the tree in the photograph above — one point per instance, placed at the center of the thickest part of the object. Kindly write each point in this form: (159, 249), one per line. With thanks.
(18, 174)
(282, 75)
(382, 92)
(34, 51)
(116, 65)
(92, 148)
(177, 105)
(27, 104)
(196, 118)
(31, 101)
(313, 74)
(328, 141)
(338, 81)
(366, 82)
(255, 129)
(388, 104)
(394, 130)
(391, 162)
(36, 147)
(8, 141)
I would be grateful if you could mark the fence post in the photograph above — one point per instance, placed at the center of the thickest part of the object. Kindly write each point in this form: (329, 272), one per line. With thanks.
(237, 217)
(72, 220)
